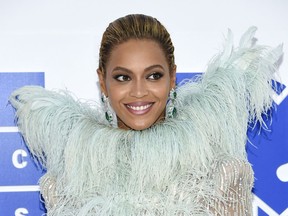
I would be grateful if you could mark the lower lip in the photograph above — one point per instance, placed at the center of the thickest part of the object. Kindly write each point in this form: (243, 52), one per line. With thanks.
(139, 112)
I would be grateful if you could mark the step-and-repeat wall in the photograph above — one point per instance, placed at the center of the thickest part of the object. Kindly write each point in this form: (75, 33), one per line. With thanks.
(55, 44)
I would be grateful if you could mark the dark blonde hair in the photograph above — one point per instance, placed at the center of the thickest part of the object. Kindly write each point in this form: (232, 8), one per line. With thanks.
(135, 26)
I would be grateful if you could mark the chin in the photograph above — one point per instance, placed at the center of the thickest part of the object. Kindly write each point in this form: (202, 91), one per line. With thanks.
(141, 126)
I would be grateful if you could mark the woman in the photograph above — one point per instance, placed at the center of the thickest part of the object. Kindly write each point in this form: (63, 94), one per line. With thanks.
(141, 155)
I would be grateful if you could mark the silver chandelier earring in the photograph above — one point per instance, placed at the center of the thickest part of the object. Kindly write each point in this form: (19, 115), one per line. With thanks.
(109, 112)
(170, 109)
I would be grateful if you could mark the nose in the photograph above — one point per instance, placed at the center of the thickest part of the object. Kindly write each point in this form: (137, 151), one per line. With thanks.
(139, 89)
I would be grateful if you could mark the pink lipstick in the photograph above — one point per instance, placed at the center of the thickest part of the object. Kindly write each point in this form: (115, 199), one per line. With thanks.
(139, 108)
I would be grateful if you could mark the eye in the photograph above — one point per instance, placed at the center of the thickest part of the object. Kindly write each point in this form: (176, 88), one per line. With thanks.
(122, 78)
(155, 76)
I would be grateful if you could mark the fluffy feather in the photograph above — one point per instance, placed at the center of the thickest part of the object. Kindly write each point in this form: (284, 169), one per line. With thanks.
(164, 170)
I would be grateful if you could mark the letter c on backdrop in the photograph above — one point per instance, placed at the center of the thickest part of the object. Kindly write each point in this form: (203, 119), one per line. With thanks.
(21, 212)
(18, 158)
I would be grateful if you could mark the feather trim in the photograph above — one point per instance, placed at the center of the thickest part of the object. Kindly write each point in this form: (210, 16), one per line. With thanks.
(167, 169)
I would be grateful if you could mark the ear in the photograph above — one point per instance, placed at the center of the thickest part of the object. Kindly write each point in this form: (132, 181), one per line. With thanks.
(173, 77)
(101, 77)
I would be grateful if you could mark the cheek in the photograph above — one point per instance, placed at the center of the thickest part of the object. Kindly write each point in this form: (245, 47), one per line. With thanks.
(163, 94)
(112, 89)
(162, 91)
(116, 94)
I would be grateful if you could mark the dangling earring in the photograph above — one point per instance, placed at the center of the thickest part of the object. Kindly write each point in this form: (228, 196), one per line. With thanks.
(170, 108)
(109, 112)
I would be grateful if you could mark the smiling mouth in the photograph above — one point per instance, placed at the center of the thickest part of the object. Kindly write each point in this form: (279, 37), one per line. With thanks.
(139, 109)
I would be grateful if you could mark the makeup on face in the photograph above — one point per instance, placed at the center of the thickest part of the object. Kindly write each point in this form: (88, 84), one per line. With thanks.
(137, 83)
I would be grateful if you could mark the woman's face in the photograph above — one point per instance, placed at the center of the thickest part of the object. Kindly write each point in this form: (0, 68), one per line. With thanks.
(137, 83)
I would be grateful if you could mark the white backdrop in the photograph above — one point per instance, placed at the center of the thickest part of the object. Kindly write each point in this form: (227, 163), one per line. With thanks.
(62, 37)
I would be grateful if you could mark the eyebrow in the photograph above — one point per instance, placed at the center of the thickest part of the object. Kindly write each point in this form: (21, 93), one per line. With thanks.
(146, 69)
(154, 66)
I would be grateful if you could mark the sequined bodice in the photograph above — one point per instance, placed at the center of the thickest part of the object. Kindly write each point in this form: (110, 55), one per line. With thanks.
(232, 180)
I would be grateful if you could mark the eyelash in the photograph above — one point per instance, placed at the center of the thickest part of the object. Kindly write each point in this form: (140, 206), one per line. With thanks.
(124, 78)
(121, 78)
(158, 74)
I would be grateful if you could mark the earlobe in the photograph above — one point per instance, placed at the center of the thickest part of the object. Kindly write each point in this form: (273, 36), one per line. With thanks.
(101, 78)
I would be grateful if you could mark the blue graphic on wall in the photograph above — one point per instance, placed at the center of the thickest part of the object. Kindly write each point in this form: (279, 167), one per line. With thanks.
(268, 155)
(10, 82)
(19, 192)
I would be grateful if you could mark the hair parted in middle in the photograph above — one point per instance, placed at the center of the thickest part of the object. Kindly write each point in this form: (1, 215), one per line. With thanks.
(135, 26)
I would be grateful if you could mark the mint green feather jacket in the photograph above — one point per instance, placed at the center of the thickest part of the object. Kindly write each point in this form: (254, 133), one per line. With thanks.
(192, 164)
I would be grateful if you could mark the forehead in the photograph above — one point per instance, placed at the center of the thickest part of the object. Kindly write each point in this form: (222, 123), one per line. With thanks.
(137, 52)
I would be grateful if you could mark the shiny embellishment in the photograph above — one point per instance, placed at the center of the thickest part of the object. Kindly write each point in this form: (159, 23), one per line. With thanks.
(235, 179)
(110, 115)
(47, 188)
(171, 110)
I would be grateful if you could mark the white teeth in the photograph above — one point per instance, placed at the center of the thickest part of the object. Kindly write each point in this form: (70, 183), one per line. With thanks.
(139, 108)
